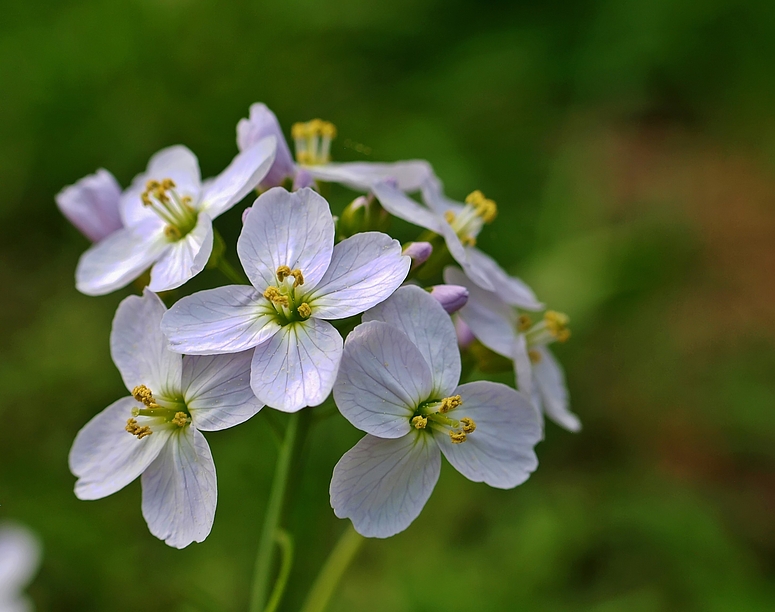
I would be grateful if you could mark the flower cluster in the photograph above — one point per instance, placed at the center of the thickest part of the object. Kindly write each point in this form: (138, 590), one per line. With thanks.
(329, 307)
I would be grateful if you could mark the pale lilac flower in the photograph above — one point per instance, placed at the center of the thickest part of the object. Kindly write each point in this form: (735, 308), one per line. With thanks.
(167, 217)
(419, 252)
(399, 383)
(92, 205)
(313, 156)
(156, 431)
(459, 224)
(451, 297)
(503, 330)
(299, 280)
(20, 553)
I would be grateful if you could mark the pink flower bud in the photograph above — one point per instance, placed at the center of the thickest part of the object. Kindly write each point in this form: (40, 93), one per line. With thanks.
(91, 205)
(451, 297)
(419, 252)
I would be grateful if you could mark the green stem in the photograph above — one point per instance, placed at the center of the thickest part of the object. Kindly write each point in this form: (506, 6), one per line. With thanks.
(285, 543)
(230, 271)
(264, 555)
(333, 570)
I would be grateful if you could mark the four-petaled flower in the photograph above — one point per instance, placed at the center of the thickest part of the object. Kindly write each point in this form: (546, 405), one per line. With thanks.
(156, 431)
(167, 216)
(19, 560)
(398, 382)
(299, 279)
(502, 329)
(459, 225)
(312, 142)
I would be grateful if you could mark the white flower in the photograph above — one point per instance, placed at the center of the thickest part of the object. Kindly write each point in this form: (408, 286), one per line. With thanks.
(167, 217)
(299, 279)
(500, 328)
(19, 560)
(313, 145)
(399, 383)
(156, 432)
(459, 225)
(92, 205)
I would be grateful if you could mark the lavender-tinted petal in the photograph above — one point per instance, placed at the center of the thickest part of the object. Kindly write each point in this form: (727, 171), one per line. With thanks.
(261, 123)
(360, 176)
(550, 383)
(397, 203)
(382, 485)
(92, 205)
(511, 289)
(20, 553)
(365, 269)
(185, 258)
(417, 314)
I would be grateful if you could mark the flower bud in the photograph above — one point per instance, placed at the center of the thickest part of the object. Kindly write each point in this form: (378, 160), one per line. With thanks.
(419, 252)
(451, 297)
(363, 214)
(262, 123)
(91, 205)
(464, 334)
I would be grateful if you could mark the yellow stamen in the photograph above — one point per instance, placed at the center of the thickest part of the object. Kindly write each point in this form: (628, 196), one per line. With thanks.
(420, 422)
(172, 232)
(144, 395)
(180, 419)
(298, 277)
(457, 437)
(485, 208)
(283, 272)
(304, 310)
(273, 295)
(535, 356)
(450, 403)
(468, 425)
(299, 130)
(449, 217)
(524, 323)
(557, 324)
(136, 430)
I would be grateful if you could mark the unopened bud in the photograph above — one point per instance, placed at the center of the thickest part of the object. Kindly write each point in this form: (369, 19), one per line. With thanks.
(419, 252)
(451, 297)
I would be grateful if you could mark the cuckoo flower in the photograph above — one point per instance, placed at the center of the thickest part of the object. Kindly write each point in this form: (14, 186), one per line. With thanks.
(312, 142)
(299, 279)
(19, 560)
(459, 224)
(156, 431)
(167, 217)
(92, 205)
(502, 329)
(399, 383)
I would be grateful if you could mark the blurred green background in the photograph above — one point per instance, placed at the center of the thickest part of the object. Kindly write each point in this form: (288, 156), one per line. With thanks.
(631, 149)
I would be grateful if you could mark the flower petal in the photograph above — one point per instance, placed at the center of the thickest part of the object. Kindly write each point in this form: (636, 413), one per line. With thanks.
(180, 490)
(382, 485)
(185, 258)
(262, 123)
(397, 203)
(120, 258)
(491, 319)
(286, 229)
(139, 348)
(241, 176)
(19, 559)
(500, 451)
(511, 289)
(177, 163)
(523, 367)
(382, 380)
(365, 269)
(217, 390)
(91, 205)
(221, 320)
(550, 383)
(360, 176)
(419, 315)
(297, 366)
(106, 458)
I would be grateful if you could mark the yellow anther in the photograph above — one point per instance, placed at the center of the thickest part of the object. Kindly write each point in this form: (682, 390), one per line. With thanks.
(136, 430)
(420, 422)
(180, 419)
(146, 199)
(304, 310)
(326, 128)
(449, 217)
(283, 272)
(299, 130)
(468, 425)
(485, 208)
(167, 183)
(557, 324)
(468, 241)
(186, 200)
(535, 356)
(151, 185)
(298, 277)
(172, 232)
(144, 395)
(450, 403)
(524, 323)
(305, 158)
(273, 295)
(457, 437)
